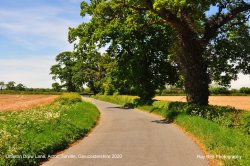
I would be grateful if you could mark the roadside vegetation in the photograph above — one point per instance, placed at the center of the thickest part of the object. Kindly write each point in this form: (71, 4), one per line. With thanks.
(222, 130)
(43, 131)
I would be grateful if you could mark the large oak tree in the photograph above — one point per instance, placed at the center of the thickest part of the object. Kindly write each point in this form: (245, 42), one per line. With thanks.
(211, 38)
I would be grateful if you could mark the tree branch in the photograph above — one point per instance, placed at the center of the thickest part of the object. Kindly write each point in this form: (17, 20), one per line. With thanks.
(212, 26)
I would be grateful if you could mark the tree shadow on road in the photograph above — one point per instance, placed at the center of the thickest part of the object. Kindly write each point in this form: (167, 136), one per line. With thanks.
(120, 107)
(163, 121)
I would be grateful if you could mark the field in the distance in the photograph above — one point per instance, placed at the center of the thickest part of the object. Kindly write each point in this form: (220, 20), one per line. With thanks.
(239, 102)
(17, 102)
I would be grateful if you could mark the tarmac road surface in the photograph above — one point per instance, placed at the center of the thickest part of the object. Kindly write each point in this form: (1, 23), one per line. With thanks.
(128, 137)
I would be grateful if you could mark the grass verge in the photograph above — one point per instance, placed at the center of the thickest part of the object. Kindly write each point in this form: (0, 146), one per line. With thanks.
(30, 136)
(223, 131)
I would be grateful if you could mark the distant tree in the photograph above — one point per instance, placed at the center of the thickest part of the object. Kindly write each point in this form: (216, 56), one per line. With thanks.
(64, 70)
(245, 90)
(56, 87)
(10, 85)
(20, 87)
(1, 85)
(219, 90)
(91, 69)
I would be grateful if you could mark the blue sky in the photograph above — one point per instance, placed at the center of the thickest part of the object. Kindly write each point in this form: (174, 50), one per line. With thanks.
(33, 32)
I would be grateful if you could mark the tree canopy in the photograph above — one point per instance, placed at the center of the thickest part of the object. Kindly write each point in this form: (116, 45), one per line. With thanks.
(2, 85)
(10, 85)
(191, 40)
(20, 87)
(63, 70)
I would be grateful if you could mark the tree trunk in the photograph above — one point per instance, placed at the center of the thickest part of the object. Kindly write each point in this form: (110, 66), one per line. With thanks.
(194, 69)
(196, 85)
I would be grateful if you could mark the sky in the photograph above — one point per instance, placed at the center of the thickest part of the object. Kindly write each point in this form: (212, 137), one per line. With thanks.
(33, 32)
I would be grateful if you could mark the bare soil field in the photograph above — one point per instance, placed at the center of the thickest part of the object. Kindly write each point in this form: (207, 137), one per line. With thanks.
(17, 102)
(240, 102)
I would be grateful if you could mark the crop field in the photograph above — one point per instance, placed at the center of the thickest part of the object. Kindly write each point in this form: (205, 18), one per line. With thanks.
(239, 102)
(17, 102)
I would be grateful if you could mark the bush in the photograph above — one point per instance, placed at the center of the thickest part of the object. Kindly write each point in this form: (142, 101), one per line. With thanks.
(68, 98)
(224, 116)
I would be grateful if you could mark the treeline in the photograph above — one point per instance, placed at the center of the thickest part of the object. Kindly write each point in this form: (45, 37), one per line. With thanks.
(213, 91)
(226, 91)
(12, 87)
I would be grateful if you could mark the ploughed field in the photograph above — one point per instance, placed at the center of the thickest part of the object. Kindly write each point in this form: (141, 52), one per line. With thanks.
(17, 102)
(239, 102)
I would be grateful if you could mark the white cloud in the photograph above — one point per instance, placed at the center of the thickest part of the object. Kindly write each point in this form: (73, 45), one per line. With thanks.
(31, 32)
(38, 27)
(32, 72)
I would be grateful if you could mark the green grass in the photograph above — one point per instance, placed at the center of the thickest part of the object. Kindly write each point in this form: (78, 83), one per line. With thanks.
(117, 99)
(217, 138)
(43, 130)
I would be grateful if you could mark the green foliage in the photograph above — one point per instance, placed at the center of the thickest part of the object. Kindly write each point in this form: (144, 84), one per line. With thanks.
(229, 52)
(95, 70)
(217, 140)
(86, 91)
(1, 85)
(130, 48)
(10, 85)
(224, 116)
(118, 99)
(56, 87)
(166, 38)
(63, 70)
(68, 98)
(245, 90)
(20, 87)
(43, 130)
(172, 91)
(219, 90)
